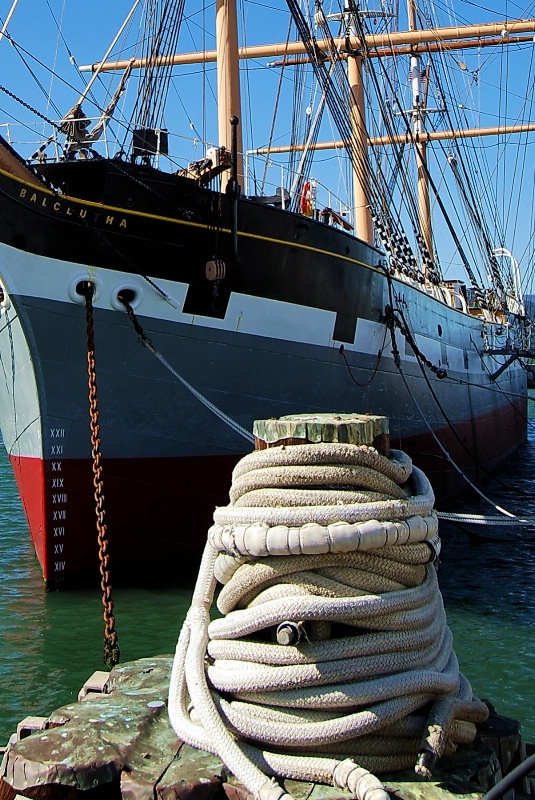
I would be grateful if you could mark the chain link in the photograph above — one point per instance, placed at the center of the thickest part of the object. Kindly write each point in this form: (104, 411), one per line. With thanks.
(392, 322)
(30, 108)
(111, 647)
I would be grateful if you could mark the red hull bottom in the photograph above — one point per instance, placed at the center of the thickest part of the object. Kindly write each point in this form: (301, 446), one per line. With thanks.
(158, 511)
(157, 514)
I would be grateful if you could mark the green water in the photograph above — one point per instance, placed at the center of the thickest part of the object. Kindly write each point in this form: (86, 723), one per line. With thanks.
(50, 643)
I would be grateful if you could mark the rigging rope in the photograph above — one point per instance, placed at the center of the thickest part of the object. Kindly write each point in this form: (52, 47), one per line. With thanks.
(236, 427)
(336, 596)
(450, 460)
(483, 519)
(162, 22)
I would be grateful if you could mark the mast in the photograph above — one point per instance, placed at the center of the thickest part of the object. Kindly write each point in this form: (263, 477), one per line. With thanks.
(361, 188)
(424, 206)
(8, 18)
(228, 83)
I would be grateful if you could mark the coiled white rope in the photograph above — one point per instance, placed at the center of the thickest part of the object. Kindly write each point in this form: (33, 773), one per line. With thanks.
(333, 659)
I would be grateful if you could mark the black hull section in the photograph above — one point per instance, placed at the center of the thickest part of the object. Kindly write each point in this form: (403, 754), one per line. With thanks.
(177, 228)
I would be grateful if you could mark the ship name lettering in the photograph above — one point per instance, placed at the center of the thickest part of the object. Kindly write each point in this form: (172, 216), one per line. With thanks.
(56, 449)
(56, 466)
(59, 514)
(57, 433)
(69, 211)
(58, 548)
(59, 531)
(57, 483)
(59, 498)
(59, 566)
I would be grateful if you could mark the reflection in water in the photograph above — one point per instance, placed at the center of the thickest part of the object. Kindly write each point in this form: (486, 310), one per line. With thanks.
(51, 642)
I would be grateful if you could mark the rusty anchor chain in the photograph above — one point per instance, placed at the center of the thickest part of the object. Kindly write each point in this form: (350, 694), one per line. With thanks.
(111, 647)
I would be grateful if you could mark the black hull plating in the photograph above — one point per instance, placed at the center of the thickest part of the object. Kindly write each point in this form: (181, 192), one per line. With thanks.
(296, 259)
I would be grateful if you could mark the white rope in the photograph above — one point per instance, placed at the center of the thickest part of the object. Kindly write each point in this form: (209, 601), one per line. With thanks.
(483, 519)
(333, 645)
(236, 427)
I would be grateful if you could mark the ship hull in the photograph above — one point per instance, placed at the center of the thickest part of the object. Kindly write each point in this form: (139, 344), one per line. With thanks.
(296, 324)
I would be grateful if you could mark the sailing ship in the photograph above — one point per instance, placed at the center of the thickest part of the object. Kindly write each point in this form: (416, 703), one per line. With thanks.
(247, 282)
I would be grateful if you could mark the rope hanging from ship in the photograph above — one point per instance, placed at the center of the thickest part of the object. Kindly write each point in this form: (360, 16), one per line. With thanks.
(442, 374)
(236, 427)
(326, 556)
(392, 322)
(111, 646)
(448, 457)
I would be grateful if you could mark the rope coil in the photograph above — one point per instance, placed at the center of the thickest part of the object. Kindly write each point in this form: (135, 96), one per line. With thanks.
(333, 659)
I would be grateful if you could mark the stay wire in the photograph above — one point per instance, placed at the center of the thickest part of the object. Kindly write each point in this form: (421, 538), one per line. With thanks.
(273, 119)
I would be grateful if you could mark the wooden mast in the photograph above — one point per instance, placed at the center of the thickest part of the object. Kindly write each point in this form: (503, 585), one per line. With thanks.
(228, 83)
(361, 187)
(420, 146)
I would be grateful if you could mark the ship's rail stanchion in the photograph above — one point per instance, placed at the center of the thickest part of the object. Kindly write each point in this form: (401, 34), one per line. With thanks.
(333, 660)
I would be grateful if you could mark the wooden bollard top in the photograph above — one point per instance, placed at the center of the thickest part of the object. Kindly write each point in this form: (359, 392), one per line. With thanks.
(365, 429)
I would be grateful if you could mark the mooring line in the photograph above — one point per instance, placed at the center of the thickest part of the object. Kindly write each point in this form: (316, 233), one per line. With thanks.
(236, 427)
(482, 519)
(397, 361)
